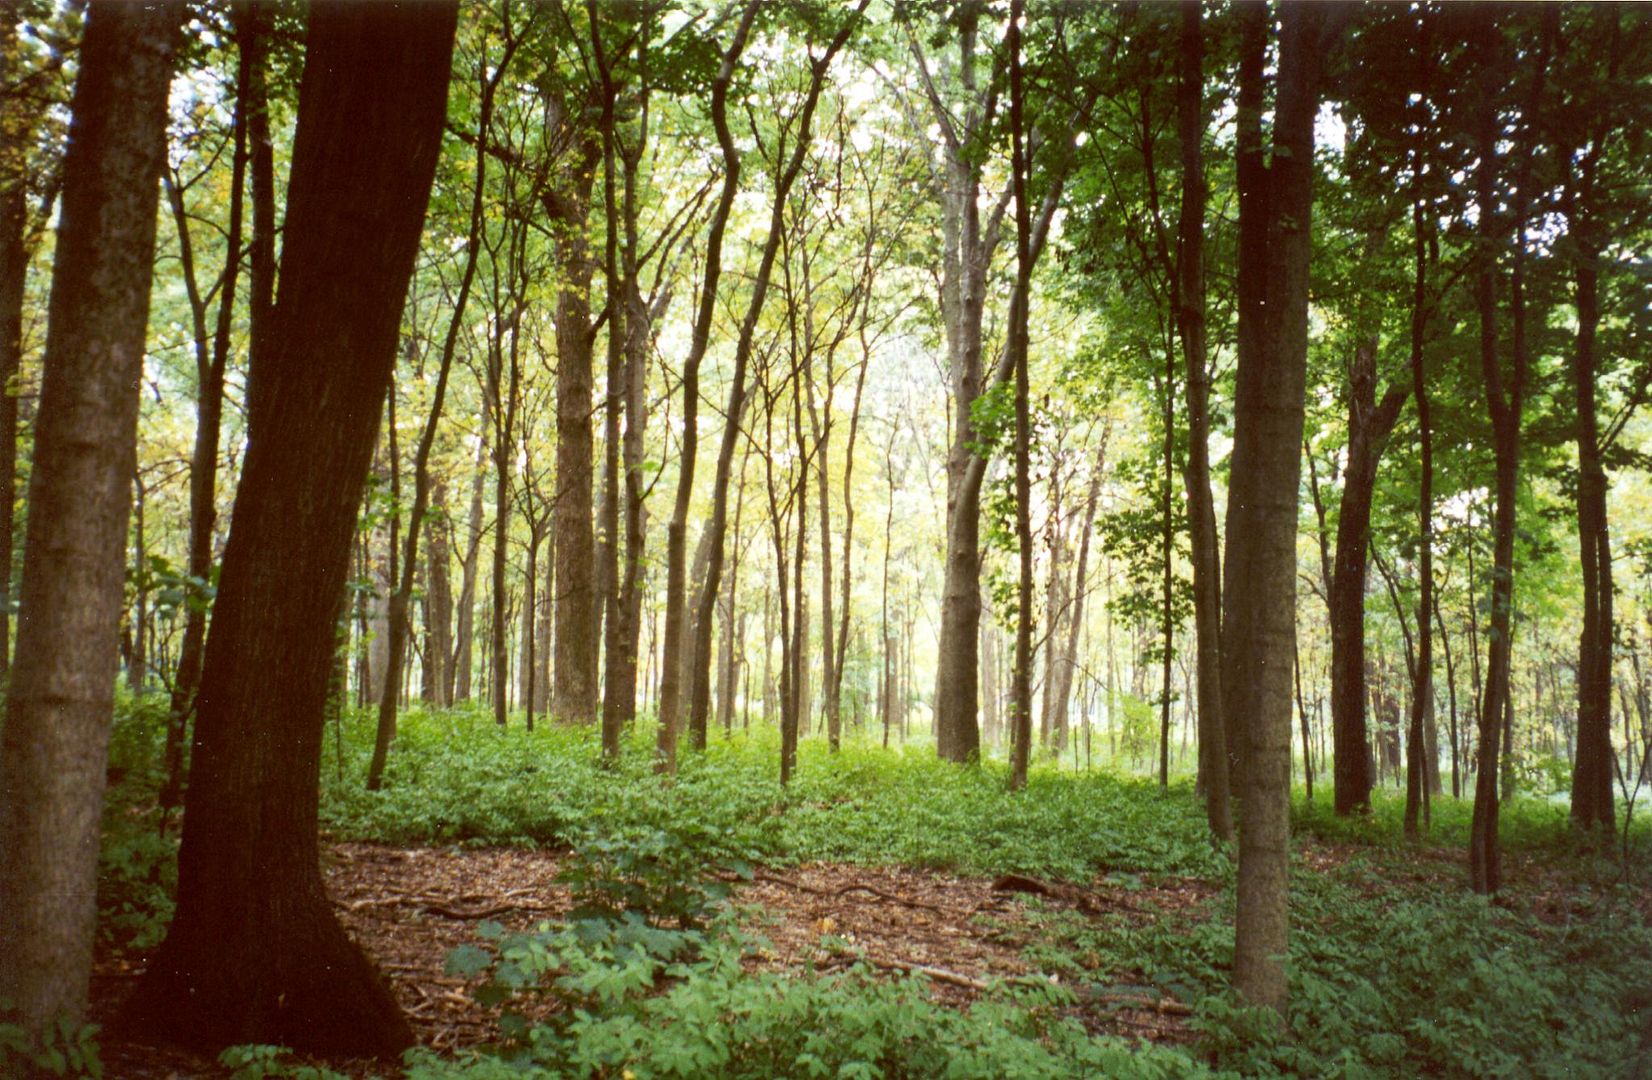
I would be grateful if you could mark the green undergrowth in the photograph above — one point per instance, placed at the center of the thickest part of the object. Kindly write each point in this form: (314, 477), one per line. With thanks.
(1396, 970)
(455, 778)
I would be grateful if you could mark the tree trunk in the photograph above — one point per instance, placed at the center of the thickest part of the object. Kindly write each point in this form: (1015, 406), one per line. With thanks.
(1021, 693)
(255, 953)
(1369, 424)
(578, 613)
(1422, 676)
(209, 402)
(460, 672)
(1201, 507)
(1061, 673)
(700, 685)
(54, 743)
(401, 599)
(1592, 774)
(675, 556)
(438, 612)
(1504, 400)
(1260, 589)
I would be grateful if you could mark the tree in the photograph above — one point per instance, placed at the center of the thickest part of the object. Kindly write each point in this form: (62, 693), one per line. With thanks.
(1259, 590)
(55, 741)
(1201, 508)
(255, 953)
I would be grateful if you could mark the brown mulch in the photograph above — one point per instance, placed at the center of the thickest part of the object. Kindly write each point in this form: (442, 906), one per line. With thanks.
(410, 907)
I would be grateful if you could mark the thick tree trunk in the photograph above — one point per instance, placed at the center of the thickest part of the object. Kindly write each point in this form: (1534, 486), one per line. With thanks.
(1259, 631)
(255, 954)
(54, 744)
(578, 613)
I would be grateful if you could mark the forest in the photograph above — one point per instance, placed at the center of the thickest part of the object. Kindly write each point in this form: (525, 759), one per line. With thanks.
(785, 538)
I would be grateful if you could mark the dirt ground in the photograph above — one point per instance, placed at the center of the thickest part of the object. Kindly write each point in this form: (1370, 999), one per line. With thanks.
(410, 907)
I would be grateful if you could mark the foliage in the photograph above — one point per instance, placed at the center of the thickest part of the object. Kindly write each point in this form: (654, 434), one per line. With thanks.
(456, 778)
(64, 1049)
(255, 1062)
(641, 1002)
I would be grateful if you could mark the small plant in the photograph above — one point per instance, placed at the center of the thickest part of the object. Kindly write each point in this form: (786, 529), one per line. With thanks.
(64, 1049)
(255, 1062)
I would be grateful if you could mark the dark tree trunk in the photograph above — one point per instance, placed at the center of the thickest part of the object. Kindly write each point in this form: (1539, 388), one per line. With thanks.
(1260, 589)
(255, 953)
(1021, 693)
(1592, 773)
(54, 743)
(1369, 424)
(1505, 399)
(14, 266)
(1201, 508)
(1418, 748)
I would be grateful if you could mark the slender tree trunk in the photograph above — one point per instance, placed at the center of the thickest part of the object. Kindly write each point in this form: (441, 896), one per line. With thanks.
(54, 742)
(700, 687)
(1505, 399)
(1201, 507)
(15, 251)
(1021, 694)
(402, 598)
(209, 405)
(1422, 677)
(675, 585)
(255, 953)
(464, 644)
(1061, 674)
(438, 612)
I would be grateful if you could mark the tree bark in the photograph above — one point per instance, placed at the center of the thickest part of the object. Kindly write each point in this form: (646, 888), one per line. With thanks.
(54, 744)
(1592, 804)
(1505, 399)
(210, 367)
(402, 599)
(1260, 589)
(1422, 676)
(1201, 507)
(705, 617)
(578, 613)
(675, 556)
(255, 954)
(1369, 424)
(1021, 693)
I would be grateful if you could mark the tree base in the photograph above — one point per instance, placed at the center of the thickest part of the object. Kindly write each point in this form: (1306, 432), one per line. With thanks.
(304, 985)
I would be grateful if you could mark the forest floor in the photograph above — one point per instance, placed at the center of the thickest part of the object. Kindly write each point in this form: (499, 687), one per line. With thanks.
(409, 907)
